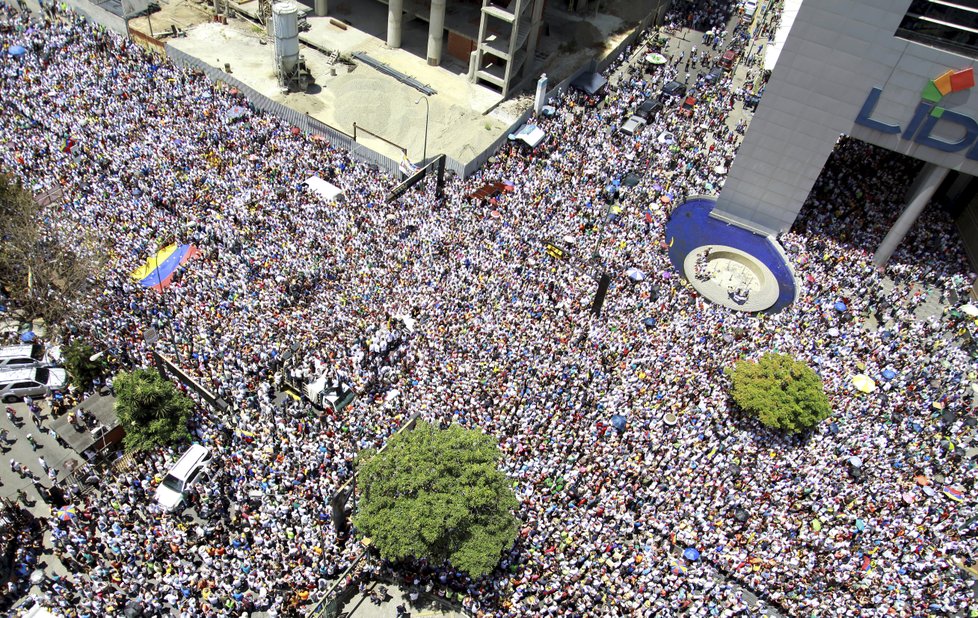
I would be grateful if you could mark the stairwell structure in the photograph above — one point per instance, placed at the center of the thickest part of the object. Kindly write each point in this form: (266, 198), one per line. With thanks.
(507, 42)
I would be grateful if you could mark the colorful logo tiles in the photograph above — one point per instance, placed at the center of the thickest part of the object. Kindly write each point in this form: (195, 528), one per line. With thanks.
(948, 82)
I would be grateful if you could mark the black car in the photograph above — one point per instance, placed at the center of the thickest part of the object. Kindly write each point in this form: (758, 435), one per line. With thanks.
(714, 75)
(649, 109)
(673, 89)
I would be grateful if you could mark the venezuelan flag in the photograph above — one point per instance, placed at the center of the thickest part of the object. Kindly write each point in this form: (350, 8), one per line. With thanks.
(158, 270)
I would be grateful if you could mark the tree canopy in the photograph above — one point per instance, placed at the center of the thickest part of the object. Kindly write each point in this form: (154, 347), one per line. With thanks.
(151, 409)
(438, 495)
(42, 274)
(782, 392)
(80, 366)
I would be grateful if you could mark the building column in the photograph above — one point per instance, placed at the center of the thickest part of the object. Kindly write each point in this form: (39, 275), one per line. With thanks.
(395, 18)
(928, 181)
(436, 31)
(320, 8)
(536, 20)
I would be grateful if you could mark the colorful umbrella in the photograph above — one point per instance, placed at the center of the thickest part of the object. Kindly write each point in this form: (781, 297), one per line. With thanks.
(860, 525)
(888, 374)
(840, 306)
(816, 525)
(619, 422)
(17, 50)
(236, 112)
(864, 383)
(66, 513)
(691, 553)
(656, 59)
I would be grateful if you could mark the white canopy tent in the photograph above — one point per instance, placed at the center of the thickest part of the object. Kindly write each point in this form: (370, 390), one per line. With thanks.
(326, 190)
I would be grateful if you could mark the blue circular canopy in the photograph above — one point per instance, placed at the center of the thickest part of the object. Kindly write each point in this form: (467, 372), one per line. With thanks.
(17, 50)
(691, 553)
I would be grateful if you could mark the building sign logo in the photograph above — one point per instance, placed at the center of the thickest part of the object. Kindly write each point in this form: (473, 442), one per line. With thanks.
(928, 113)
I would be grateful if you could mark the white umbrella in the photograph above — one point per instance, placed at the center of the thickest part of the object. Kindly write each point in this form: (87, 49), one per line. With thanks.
(635, 274)
(969, 309)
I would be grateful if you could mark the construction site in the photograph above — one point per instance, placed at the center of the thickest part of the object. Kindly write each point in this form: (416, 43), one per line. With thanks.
(368, 75)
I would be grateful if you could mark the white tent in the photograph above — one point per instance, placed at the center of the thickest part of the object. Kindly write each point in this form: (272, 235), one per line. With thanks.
(529, 134)
(326, 190)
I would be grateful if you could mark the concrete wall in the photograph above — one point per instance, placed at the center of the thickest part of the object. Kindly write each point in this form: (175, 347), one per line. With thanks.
(836, 53)
(97, 14)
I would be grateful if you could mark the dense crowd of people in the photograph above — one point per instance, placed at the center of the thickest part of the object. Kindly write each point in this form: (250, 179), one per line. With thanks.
(498, 336)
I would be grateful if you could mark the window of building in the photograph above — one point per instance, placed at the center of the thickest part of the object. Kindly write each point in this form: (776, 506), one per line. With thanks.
(951, 25)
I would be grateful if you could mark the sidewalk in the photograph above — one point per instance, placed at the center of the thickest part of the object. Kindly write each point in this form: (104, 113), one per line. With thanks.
(360, 606)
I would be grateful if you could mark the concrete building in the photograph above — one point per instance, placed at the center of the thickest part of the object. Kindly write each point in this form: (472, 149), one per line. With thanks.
(500, 54)
(895, 73)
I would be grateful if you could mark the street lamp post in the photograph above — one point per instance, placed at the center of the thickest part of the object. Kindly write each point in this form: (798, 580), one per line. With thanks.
(427, 114)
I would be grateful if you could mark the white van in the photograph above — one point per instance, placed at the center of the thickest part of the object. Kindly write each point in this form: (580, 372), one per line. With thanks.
(20, 357)
(189, 470)
(15, 384)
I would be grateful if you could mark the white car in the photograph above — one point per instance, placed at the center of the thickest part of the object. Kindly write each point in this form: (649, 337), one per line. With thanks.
(15, 384)
(749, 8)
(633, 125)
(189, 470)
(666, 138)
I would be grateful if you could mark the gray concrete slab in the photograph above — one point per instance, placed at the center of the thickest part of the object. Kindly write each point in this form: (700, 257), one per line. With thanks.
(465, 118)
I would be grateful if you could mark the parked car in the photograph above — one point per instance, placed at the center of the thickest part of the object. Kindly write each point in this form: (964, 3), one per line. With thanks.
(727, 59)
(672, 89)
(633, 125)
(15, 384)
(715, 74)
(649, 109)
(21, 356)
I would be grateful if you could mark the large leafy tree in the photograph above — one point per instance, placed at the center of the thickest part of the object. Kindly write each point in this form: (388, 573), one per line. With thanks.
(78, 361)
(438, 495)
(782, 392)
(151, 409)
(44, 271)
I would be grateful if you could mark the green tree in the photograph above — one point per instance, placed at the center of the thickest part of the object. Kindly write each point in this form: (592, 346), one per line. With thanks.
(782, 392)
(78, 361)
(151, 409)
(438, 495)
